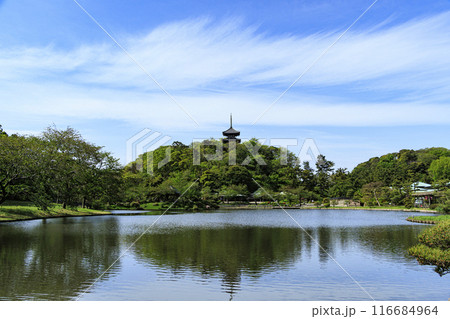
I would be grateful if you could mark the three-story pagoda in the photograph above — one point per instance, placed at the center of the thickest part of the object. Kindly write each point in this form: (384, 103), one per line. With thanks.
(231, 134)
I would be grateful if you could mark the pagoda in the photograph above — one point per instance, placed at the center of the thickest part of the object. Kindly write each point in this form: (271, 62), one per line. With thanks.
(231, 133)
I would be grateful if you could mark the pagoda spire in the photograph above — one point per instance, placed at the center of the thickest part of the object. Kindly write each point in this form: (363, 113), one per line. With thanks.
(231, 133)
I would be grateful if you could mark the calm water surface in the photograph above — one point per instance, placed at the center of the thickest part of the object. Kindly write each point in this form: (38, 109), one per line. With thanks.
(239, 255)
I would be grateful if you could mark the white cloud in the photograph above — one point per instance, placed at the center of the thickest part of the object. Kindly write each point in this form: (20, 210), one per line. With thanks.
(213, 69)
(157, 111)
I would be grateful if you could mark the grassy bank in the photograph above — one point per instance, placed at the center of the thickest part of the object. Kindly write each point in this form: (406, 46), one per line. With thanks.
(276, 206)
(162, 206)
(146, 206)
(429, 219)
(394, 208)
(11, 210)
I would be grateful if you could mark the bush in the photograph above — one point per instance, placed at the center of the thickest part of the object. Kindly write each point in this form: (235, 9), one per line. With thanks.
(432, 256)
(434, 247)
(408, 204)
(437, 236)
(135, 205)
(97, 204)
(444, 208)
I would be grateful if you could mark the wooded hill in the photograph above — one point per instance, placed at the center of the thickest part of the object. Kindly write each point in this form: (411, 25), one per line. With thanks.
(60, 166)
(270, 175)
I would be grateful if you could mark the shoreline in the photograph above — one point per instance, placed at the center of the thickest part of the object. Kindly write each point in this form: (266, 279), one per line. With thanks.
(15, 217)
(7, 217)
(430, 222)
(250, 207)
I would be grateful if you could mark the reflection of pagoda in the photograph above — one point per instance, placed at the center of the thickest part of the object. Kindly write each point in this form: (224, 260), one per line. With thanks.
(231, 133)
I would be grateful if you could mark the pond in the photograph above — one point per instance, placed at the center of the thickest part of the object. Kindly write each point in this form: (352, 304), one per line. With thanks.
(233, 255)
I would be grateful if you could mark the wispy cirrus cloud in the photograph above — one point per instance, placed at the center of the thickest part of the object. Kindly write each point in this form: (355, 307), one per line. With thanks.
(213, 68)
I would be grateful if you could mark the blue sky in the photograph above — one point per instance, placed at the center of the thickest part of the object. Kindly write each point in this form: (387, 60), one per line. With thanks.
(384, 86)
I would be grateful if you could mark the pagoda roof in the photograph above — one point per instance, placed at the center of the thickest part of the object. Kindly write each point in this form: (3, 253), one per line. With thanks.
(231, 131)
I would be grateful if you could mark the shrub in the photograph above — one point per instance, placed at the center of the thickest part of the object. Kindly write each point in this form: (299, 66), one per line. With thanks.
(444, 208)
(96, 204)
(437, 236)
(135, 205)
(431, 256)
(408, 204)
(434, 247)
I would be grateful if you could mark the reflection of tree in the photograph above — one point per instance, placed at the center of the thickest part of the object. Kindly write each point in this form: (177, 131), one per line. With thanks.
(59, 258)
(390, 241)
(54, 260)
(393, 241)
(232, 251)
(442, 271)
(326, 242)
(227, 252)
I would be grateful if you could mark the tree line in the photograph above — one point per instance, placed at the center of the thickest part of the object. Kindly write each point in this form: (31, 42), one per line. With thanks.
(59, 166)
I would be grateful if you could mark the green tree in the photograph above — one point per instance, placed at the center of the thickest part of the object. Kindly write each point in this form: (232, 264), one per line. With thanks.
(397, 195)
(233, 192)
(324, 168)
(239, 175)
(2, 133)
(341, 184)
(396, 169)
(212, 178)
(372, 193)
(440, 169)
(307, 177)
(79, 171)
(105, 184)
(19, 157)
(301, 193)
(444, 205)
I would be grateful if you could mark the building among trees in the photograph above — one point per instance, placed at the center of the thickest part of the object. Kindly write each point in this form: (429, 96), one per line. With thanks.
(424, 194)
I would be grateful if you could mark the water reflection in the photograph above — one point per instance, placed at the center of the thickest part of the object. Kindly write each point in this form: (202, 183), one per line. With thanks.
(238, 255)
(54, 260)
(231, 252)
(226, 252)
(382, 241)
(392, 242)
